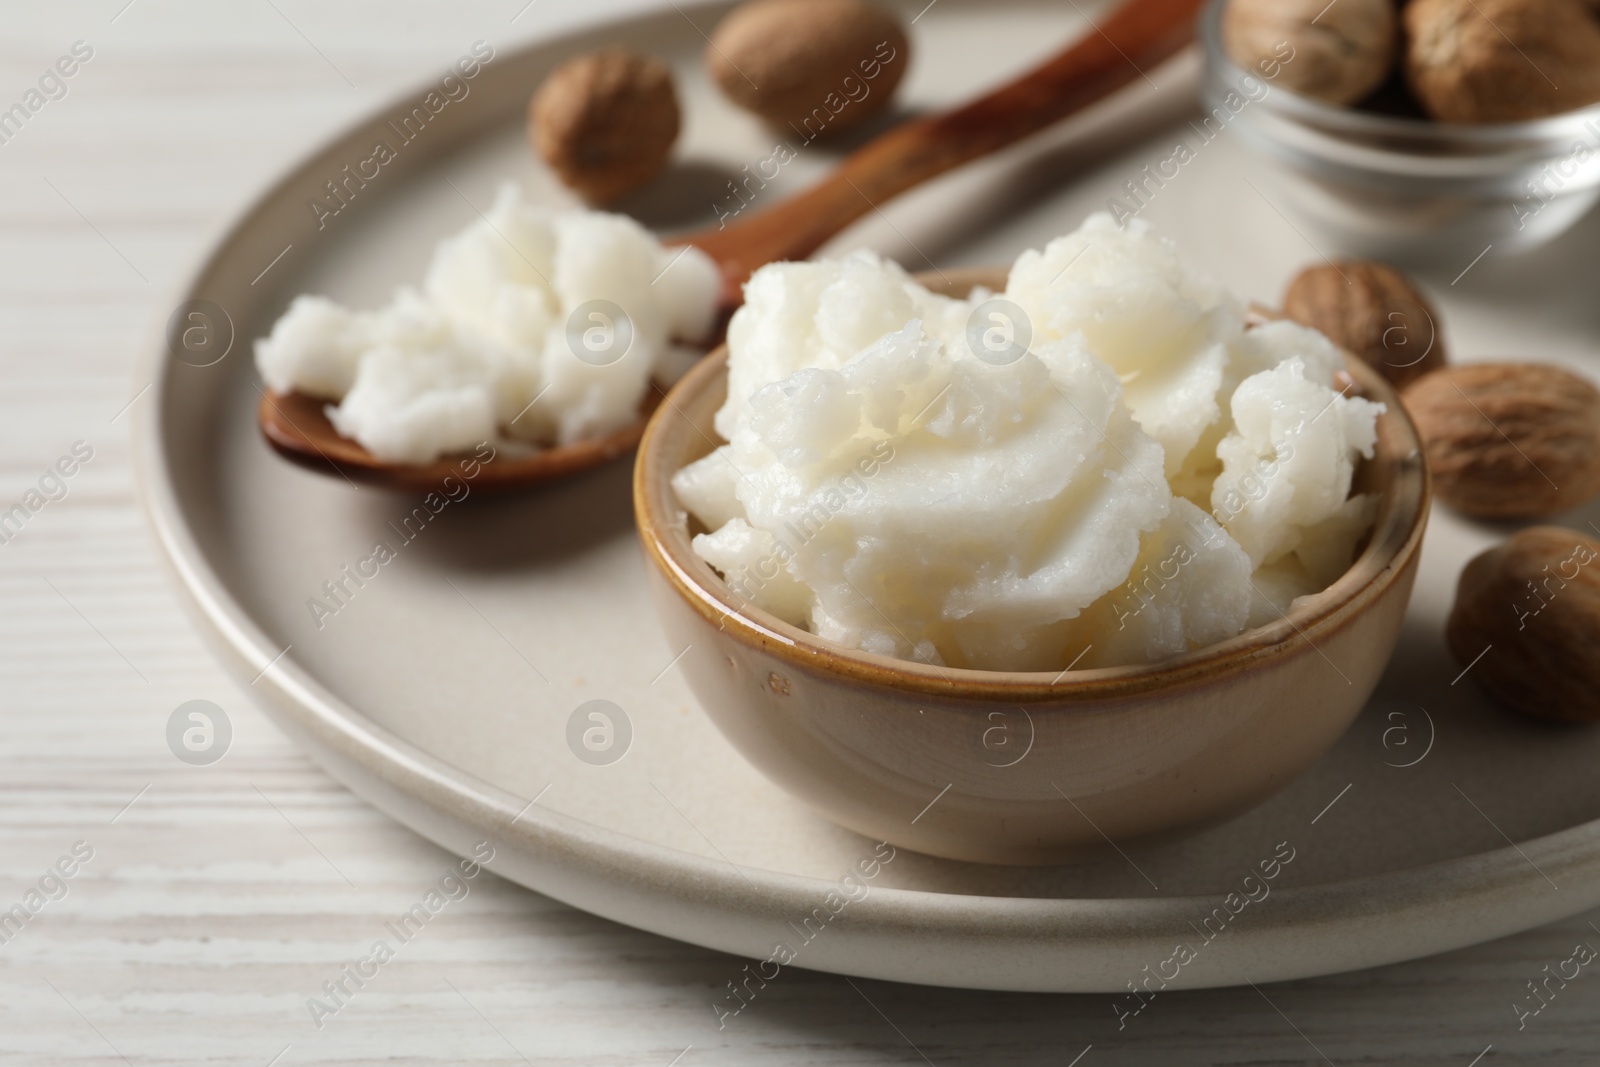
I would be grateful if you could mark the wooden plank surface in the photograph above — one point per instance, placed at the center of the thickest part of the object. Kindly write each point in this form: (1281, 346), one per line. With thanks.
(218, 900)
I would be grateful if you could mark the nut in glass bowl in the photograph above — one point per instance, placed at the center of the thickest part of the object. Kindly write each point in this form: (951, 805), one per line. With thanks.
(1403, 189)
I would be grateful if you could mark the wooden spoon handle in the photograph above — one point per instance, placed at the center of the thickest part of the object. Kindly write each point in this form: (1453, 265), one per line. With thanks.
(1137, 36)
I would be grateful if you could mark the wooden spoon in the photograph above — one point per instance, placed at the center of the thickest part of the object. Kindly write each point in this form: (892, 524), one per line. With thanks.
(1138, 35)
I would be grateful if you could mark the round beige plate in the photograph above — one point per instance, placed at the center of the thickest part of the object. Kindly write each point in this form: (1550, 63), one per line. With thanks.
(452, 686)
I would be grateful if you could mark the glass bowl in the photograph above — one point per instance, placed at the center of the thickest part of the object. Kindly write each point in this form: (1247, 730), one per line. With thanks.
(1400, 188)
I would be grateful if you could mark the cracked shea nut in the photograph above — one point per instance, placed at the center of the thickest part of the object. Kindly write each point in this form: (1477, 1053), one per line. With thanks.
(1509, 440)
(1373, 311)
(1527, 621)
(605, 122)
(816, 66)
(1502, 60)
(1340, 52)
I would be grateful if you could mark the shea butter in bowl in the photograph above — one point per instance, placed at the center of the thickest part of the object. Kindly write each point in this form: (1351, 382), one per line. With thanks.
(918, 738)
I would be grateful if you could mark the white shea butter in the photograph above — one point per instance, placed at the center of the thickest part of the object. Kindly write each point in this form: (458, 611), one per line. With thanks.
(1163, 330)
(532, 325)
(1147, 478)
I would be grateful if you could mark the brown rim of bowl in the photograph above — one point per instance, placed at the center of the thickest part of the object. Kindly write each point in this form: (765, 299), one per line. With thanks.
(1391, 546)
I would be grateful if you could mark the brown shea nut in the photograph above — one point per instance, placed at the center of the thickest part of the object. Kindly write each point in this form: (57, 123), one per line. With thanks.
(1371, 310)
(1502, 60)
(817, 66)
(605, 122)
(1337, 53)
(1534, 604)
(1509, 440)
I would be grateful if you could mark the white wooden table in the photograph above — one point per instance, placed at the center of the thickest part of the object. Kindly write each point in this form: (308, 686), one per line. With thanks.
(219, 899)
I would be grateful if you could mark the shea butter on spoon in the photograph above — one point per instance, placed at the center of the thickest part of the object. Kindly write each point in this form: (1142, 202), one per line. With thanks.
(531, 326)
(1099, 466)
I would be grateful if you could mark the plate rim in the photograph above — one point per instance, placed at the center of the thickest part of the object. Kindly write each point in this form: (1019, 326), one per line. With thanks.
(1405, 913)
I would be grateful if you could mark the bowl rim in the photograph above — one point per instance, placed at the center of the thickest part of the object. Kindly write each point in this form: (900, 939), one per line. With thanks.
(1391, 549)
(1332, 118)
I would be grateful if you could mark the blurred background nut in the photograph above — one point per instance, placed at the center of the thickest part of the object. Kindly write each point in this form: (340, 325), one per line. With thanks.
(1372, 310)
(1534, 603)
(816, 65)
(1342, 51)
(1509, 440)
(1502, 60)
(606, 122)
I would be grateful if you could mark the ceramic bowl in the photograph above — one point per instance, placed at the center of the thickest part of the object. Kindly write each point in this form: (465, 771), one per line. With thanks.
(1018, 768)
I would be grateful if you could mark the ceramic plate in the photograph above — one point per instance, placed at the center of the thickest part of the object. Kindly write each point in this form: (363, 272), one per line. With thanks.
(444, 688)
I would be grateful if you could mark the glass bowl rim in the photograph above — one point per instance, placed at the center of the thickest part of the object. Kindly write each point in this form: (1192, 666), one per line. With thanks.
(1554, 130)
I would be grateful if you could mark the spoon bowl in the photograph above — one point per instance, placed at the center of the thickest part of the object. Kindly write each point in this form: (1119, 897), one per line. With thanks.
(297, 427)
